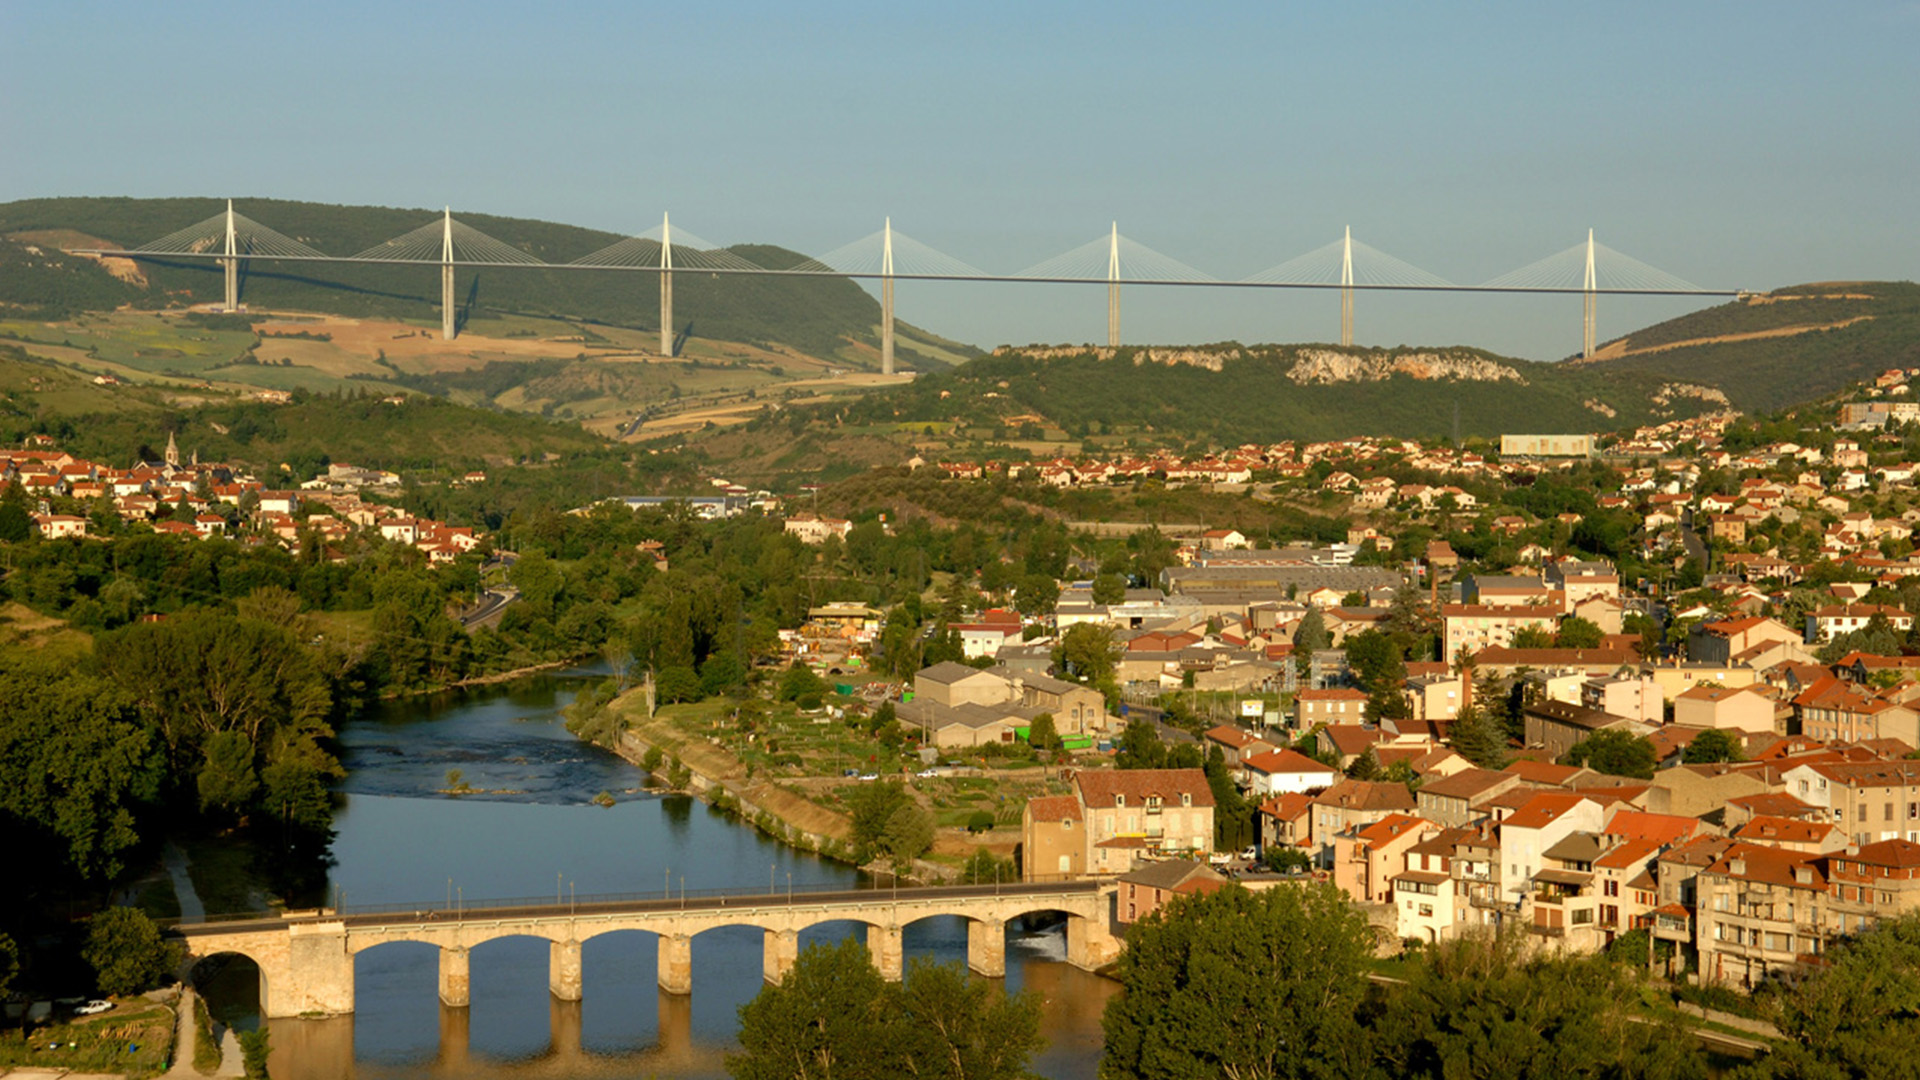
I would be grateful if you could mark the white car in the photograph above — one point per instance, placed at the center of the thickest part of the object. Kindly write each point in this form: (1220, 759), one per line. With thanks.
(1251, 854)
(93, 1007)
(1220, 858)
(927, 774)
(870, 776)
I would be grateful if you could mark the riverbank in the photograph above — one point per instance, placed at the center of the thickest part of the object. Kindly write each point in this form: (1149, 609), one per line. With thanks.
(717, 776)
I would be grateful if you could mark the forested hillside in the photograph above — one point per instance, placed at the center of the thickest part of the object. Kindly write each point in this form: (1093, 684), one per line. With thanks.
(1230, 394)
(1784, 347)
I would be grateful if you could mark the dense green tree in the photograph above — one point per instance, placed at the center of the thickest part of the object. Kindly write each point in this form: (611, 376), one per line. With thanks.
(126, 952)
(1037, 594)
(677, 684)
(908, 833)
(1041, 733)
(1578, 633)
(76, 766)
(9, 965)
(1140, 746)
(1311, 635)
(1237, 983)
(1712, 745)
(1616, 753)
(834, 1018)
(1487, 1005)
(1532, 637)
(1088, 652)
(1479, 738)
(227, 780)
(1109, 589)
(799, 681)
(1856, 1016)
(1376, 661)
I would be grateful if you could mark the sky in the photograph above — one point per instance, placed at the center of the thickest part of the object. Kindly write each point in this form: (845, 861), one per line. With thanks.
(1748, 145)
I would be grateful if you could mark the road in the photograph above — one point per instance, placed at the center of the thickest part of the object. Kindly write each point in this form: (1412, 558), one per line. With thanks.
(492, 602)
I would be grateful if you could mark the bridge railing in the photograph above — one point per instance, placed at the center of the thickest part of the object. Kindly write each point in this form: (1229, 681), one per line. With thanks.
(458, 908)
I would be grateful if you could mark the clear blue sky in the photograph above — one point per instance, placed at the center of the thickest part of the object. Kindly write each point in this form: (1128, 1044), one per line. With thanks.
(1734, 144)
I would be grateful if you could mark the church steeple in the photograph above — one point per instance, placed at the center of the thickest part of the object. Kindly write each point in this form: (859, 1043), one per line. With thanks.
(173, 452)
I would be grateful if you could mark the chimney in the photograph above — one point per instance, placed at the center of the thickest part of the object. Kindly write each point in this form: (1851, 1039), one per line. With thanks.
(1737, 866)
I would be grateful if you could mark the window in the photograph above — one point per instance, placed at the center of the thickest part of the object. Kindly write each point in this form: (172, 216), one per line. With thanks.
(1119, 800)
(1888, 814)
(1186, 798)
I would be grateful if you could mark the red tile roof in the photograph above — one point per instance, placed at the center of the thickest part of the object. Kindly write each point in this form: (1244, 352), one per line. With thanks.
(1099, 786)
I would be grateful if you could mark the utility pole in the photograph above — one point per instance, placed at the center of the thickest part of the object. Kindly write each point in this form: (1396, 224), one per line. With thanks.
(886, 299)
(666, 287)
(1346, 288)
(1587, 322)
(446, 277)
(1113, 289)
(232, 264)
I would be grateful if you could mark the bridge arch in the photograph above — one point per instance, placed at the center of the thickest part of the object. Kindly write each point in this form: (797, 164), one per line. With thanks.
(215, 978)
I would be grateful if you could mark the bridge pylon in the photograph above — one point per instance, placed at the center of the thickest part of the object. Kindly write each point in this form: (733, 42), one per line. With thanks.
(1590, 307)
(1113, 289)
(666, 287)
(886, 299)
(447, 327)
(1346, 288)
(231, 264)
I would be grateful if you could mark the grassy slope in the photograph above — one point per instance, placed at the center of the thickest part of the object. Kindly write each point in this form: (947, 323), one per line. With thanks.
(1774, 372)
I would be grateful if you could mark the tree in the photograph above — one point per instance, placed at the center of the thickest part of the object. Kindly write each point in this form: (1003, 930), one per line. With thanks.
(1616, 753)
(227, 781)
(1479, 738)
(1140, 746)
(1037, 594)
(1578, 633)
(1088, 652)
(9, 964)
(1532, 637)
(908, 833)
(798, 682)
(1376, 661)
(1041, 734)
(1856, 1015)
(676, 684)
(1109, 589)
(1711, 746)
(1486, 1005)
(126, 952)
(1236, 983)
(1311, 635)
(834, 1018)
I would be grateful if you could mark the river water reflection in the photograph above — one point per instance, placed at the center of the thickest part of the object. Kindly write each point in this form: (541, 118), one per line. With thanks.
(537, 834)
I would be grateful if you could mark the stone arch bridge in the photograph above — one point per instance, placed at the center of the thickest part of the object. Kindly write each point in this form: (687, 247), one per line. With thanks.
(306, 959)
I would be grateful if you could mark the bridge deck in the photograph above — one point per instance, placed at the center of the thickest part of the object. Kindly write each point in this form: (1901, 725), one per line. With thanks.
(498, 910)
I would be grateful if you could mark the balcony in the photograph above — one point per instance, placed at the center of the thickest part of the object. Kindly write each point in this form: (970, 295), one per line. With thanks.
(1494, 903)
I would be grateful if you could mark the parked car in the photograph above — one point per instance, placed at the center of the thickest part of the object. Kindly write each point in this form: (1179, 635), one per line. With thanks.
(93, 1007)
(1251, 854)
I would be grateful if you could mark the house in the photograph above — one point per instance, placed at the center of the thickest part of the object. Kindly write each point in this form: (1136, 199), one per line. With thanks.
(55, 526)
(1508, 590)
(1236, 743)
(1223, 540)
(1826, 623)
(1721, 641)
(1791, 834)
(1367, 857)
(1348, 805)
(1143, 891)
(1339, 705)
(1286, 821)
(1557, 726)
(1637, 697)
(1052, 838)
(1527, 834)
(1453, 801)
(1282, 772)
(1434, 697)
(814, 529)
(1745, 709)
(1476, 627)
(1136, 814)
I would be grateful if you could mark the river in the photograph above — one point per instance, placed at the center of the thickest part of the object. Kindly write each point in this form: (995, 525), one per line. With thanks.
(537, 834)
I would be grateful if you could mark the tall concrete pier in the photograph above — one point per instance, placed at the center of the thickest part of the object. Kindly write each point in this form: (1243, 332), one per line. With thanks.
(666, 286)
(886, 299)
(1113, 289)
(446, 277)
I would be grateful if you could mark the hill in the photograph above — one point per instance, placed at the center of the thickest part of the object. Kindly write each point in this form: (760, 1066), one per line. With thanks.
(1229, 394)
(825, 317)
(1773, 350)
